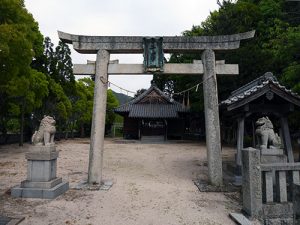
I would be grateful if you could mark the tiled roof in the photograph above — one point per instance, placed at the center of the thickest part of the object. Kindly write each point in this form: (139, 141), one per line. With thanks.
(254, 87)
(168, 109)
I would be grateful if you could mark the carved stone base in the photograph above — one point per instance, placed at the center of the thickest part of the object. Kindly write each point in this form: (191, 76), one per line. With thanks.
(43, 193)
(272, 151)
(104, 186)
(43, 185)
(272, 155)
(41, 175)
(276, 213)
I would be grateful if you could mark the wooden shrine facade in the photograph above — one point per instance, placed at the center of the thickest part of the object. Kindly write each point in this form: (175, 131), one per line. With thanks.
(153, 114)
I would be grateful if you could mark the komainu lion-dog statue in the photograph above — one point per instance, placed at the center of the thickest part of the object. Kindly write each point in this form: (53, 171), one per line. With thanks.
(266, 135)
(45, 134)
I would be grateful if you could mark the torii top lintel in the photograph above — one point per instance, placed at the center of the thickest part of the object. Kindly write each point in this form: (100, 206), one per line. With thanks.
(134, 44)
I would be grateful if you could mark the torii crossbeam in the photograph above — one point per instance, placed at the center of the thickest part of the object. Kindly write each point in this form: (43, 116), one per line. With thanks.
(103, 46)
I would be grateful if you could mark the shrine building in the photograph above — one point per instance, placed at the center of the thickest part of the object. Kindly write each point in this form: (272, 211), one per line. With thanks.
(153, 114)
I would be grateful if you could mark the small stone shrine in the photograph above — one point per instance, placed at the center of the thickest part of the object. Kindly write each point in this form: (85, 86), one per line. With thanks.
(270, 176)
(258, 101)
(41, 179)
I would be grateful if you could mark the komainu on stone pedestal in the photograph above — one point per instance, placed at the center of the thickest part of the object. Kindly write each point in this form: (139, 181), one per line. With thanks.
(45, 134)
(266, 135)
(42, 181)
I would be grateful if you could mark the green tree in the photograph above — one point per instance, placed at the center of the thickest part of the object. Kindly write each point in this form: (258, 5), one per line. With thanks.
(57, 64)
(46, 62)
(82, 106)
(112, 102)
(289, 54)
(58, 104)
(27, 94)
(20, 42)
(275, 47)
(64, 68)
(82, 109)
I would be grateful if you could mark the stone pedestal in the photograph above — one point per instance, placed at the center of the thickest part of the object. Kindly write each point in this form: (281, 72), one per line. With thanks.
(41, 179)
(252, 182)
(272, 155)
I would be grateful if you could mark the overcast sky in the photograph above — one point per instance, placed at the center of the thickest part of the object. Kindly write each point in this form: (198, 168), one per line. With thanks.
(120, 18)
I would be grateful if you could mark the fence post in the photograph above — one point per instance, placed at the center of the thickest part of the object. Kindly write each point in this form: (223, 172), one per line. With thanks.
(296, 202)
(252, 190)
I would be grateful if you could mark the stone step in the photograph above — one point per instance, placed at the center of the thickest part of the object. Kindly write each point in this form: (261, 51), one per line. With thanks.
(51, 193)
(240, 219)
(152, 139)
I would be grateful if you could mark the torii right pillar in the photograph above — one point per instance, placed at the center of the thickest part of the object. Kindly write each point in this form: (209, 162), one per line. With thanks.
(212, 122)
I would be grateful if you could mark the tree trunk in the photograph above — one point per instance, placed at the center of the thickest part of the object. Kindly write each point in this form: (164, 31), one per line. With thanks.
(22, 125)
(66, 134)
(72, 128)
(82, 130)
(67, 130)
(59, 130)
(4, 133)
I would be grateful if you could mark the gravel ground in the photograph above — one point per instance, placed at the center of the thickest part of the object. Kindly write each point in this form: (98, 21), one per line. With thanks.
(153, 185)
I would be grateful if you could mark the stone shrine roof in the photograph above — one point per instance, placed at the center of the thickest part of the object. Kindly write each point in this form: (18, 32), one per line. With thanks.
(258, 87)
(152, 103)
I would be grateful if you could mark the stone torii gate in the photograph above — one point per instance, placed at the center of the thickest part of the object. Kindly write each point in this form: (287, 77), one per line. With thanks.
(103, 46)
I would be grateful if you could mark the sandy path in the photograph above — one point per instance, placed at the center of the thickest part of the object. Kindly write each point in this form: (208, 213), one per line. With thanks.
(152, 186)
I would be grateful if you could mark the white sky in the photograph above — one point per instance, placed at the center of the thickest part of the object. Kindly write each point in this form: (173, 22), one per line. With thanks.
(119, 18)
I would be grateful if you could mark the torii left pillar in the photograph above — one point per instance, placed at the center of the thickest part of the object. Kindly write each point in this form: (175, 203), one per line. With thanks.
(99, 111)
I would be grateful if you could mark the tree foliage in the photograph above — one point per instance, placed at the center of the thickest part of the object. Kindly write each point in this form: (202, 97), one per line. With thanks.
(36, 78)
(57, 64)
(20, 42)
(112, 102)
(82, 109)
(275, 48)
(63, 72)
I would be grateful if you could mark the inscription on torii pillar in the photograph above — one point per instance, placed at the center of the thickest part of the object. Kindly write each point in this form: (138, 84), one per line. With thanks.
(103, 46)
